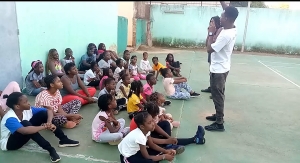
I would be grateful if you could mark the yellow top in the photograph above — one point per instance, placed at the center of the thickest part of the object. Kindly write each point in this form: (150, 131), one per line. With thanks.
(158, 66)
(133, 101)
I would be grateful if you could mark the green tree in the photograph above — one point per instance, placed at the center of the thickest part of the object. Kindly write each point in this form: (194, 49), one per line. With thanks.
(254, 4)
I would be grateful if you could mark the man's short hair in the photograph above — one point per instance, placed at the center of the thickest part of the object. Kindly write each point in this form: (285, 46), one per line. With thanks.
(231, 13)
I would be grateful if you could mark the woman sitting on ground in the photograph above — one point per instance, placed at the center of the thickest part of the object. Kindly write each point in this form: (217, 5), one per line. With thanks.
(23, 122)
(74, 87)
(174, 66)
(64, 115)
(9, 89)
(53, 65)
(34, 81)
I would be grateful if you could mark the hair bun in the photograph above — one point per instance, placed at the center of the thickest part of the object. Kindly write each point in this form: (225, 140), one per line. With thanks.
(5, 96)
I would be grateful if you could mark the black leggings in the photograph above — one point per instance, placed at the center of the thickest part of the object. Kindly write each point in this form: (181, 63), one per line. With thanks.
(17, 140)
(138, 158)
(165, 125)
(94, 83)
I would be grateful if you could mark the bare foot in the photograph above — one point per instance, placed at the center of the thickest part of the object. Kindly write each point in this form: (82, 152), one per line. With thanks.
(70, 124)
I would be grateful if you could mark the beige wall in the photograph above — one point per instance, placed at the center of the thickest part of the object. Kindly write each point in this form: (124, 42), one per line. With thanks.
(126, 9)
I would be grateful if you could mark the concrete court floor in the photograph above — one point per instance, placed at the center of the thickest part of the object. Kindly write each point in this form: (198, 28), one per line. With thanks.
(261, 114)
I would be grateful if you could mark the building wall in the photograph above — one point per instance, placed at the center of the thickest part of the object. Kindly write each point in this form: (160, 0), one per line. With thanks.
(126, 9)
(9, 45)
(61, 25)
(269, 30)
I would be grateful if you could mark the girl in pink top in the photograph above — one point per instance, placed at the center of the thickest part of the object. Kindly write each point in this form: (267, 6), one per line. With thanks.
(134, 69)
(107, 72)
(105, 127)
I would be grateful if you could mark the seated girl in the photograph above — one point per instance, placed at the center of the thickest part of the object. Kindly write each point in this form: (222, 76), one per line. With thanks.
(135, 98)
(134, 70)
(92, 76)
(126, 60)
(34, 81)
(10, 88)
(145, 64)
(120, 67)
(133, 148)
(64, 115)
(87, 59)
(109, 88)
(70, 58)
(168, 141)
(173, 65)
(106, 62)
(107, 73)
(157, 66)
(53, 65)
(173, 86)
(102, 49)
(159, 99)
(105, 127)
(123, 86)
(148, 88)
(74, 87)
(23, 122)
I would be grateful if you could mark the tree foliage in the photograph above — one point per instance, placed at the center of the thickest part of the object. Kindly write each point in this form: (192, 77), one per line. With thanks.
(254, 4)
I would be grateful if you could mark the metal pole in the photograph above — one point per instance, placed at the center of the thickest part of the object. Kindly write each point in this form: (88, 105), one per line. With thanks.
(246, 25)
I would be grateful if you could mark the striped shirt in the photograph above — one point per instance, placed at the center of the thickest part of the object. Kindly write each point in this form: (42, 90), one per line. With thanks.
(45, 99)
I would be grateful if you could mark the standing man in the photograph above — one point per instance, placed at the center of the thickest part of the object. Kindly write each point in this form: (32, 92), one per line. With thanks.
(221, 51)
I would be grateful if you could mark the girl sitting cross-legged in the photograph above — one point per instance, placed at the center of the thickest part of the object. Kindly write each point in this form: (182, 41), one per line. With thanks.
(64, 115)
(173, 86)
(23, 122)
(105, 127)
(34, 81)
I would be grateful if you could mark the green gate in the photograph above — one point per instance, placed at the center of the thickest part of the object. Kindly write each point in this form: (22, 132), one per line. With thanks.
(122, 34)
(141, 31)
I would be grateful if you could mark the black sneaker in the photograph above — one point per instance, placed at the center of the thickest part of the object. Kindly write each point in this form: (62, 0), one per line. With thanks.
(54, 157)
(199, 137)
(195, 94)
(68, 143)
(207, 90)
(210, 97)
(212, 117)
(178, 148)
(215, 127)
(167, 102)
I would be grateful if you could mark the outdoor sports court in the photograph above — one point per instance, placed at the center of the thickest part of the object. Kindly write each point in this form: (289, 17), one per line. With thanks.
(262, 109)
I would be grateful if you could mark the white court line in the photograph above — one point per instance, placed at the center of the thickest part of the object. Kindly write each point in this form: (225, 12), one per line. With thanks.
(33, 147)
(283, 63)
(279, 74)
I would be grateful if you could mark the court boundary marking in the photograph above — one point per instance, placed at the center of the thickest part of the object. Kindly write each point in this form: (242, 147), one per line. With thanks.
(276, 72)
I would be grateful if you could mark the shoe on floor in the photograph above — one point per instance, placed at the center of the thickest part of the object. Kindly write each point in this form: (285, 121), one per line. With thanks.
(207, 90)
(178, 148)
(210, 97)
(212, 117)
(215, 127)
(195, 94)
(199, 137)
(68, 143)
(54, 157)
(167, 102)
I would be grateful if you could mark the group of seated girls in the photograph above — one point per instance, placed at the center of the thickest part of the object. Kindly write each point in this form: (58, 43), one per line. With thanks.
(61, 95)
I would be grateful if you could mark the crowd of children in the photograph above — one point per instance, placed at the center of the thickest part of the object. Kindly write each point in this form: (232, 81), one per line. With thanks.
(61, 93)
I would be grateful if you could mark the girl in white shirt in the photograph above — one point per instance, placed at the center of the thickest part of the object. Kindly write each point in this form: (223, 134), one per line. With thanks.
(92, 76)
(145, 64)
(173, 86)
(120, 67)
(133, 69)
(105, 127)
(133, 147)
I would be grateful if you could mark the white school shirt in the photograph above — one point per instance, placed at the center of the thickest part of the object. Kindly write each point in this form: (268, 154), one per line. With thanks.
(134, 69)
(103, 64)
(89, 74)
(223, 47)
(145, 65)
(130, 145)
(10, 123)
(169, 86)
